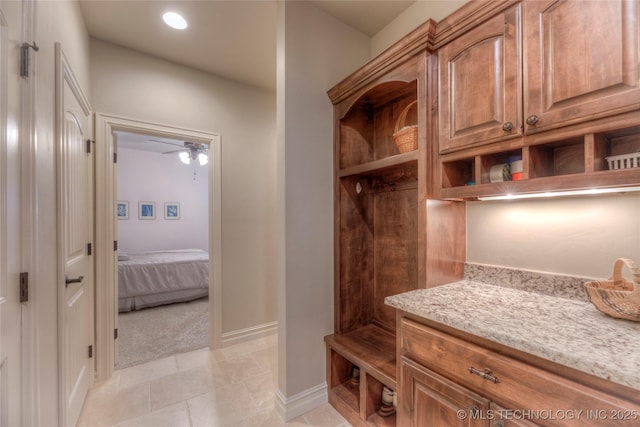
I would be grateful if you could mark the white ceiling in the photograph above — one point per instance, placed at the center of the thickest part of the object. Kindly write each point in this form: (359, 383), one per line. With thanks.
(232, 39)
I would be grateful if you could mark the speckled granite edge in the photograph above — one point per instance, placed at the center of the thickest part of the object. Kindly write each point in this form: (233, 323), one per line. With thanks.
(568, 332)
(556, 285)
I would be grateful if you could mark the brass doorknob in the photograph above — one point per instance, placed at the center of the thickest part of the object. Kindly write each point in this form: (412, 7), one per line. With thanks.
(532, 120)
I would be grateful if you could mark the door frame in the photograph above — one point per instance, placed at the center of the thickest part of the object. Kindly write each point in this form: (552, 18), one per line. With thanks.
(106, 274)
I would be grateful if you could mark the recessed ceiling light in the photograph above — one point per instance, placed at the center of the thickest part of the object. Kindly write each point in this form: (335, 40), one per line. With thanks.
(174, 20)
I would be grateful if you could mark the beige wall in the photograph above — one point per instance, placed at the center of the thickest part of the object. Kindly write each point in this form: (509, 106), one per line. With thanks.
(578, 236)
(315, 51)
(58, 21)
(136, 86)
(414, 16)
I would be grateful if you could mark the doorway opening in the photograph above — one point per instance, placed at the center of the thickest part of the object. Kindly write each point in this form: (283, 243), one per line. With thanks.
(107, 130)
(163, 248)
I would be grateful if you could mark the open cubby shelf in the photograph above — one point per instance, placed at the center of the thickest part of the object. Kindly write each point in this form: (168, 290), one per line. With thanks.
(376, 166)
(366, 130)
(573, 163)
(372, 350)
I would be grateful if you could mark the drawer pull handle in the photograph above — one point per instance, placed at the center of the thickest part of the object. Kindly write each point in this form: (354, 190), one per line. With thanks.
(486, 374)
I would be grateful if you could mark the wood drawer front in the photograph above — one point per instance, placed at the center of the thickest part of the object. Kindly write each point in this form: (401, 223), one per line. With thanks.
(520, 386)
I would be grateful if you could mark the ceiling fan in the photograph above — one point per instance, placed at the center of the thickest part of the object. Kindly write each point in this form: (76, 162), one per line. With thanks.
(191, 151)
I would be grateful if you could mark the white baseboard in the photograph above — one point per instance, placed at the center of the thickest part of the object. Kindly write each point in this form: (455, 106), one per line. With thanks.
(289, 408)
(247, 334)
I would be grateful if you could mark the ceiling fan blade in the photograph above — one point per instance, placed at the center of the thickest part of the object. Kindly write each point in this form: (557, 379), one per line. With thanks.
(165, 142)
(174, 151)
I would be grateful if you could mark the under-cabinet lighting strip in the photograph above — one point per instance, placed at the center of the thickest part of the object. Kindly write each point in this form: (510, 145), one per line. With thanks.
(588, 192)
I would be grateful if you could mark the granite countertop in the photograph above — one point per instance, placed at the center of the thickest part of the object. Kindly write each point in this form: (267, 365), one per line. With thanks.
(566, 331)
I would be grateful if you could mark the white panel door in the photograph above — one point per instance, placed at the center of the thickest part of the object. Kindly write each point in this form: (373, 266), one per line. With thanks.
(10, 307)
(75, 233)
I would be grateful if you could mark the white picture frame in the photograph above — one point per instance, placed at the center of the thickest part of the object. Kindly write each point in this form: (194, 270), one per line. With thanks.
(146, 210)
(172, 210)
(122, 209)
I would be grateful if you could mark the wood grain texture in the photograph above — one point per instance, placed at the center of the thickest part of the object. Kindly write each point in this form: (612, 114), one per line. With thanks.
(356, 255)
(366, 131)
(521, 386)
(581, 61)
(429, 399)
(389, 64)
(480, 84)
(370, 348)
(446, 242)
(395, 250)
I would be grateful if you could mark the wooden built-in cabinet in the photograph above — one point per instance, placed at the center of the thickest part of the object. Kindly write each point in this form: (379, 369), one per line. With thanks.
(447, 380)
(382, 222)
(555, 83)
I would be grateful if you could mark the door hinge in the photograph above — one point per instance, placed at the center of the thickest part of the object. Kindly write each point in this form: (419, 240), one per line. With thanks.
(115, 245)
(89, 249)
(115, 157)
(24, 57)
(115, 334)
(24, 287)
(90, 351)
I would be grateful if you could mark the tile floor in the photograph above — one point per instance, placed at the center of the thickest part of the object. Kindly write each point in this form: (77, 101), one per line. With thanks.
(231, 387)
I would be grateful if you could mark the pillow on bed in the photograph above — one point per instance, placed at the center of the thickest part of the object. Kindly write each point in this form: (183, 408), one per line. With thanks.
(122, 255)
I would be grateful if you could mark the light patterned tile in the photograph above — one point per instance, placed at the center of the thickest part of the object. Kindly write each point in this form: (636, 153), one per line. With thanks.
(325, 416)
(267, 358)
(262, 390)
(171, 416)
(147, 372)
(180, 387)
(231, 387)
(107, 410)
(240, 368)
(109, 387)
(195, 359)
(226, 405)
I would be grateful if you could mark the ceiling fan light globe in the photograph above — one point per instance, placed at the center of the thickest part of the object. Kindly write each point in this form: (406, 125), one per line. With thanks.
(203, 159)
(184, 157)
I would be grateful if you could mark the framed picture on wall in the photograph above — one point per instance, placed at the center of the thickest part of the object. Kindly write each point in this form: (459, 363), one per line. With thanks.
(123, 209)
(171, 210)
(146, 210)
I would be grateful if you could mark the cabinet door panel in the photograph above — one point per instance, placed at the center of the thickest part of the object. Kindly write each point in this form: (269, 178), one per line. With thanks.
(581, 60)
(479, 84)
(428, 399)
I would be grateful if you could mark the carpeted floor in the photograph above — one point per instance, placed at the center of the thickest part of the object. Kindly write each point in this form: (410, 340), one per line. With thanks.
(158, 332)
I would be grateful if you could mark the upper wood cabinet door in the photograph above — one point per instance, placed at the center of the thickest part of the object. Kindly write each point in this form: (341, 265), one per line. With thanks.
(581, 61)
(480, 85)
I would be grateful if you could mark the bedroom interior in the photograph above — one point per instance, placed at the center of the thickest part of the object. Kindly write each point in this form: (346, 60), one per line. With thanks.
(163, 246)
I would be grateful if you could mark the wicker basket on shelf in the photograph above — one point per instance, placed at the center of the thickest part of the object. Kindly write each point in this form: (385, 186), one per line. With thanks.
(406, 137)
(617, 297)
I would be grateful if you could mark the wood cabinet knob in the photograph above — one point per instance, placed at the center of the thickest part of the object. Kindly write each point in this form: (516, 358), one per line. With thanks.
(532, 120)
(507, 127)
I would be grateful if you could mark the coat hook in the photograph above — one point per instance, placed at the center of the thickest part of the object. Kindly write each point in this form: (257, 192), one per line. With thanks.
(24, 57)
(33, 46)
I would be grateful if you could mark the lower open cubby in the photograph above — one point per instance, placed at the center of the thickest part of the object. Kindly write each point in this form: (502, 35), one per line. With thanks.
(360, 364)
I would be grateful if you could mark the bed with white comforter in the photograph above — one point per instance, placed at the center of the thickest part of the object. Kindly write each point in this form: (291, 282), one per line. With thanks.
(161, 277)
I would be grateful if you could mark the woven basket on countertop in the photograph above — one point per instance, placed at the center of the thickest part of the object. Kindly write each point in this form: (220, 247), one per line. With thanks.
(406, 137)
(617, 297)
